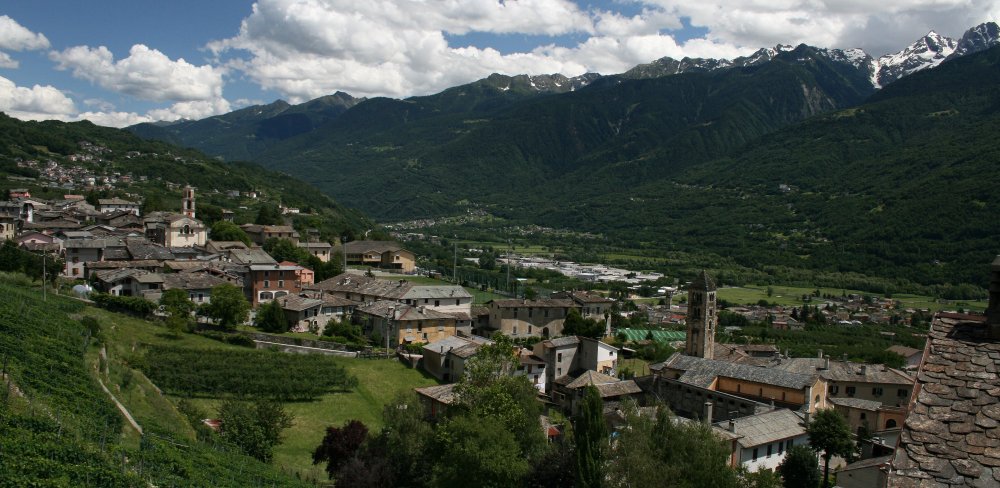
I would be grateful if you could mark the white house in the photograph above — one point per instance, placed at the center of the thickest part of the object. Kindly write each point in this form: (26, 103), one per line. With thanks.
(761, 441)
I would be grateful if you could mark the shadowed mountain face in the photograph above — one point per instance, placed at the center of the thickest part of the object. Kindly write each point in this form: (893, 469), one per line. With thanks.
(691, 155)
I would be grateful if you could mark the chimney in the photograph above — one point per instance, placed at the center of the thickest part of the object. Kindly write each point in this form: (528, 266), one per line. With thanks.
(805, 418)
(826, 363)
(732, 426)
(864, 370)
(993, 307)
(707, 417)
(820, 354)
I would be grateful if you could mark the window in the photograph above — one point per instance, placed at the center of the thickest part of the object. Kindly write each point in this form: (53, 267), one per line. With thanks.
(514, 331)
(420, 326)
(457, 302)
(281, 283)
(437, 303)
(864, 416)
(559, 357)
(850, 391)
(781, 448)
(755, 454)
(440, 325)
(267, 284)
(769, 450)
(902, 392)
(546, 312)
(877, 391)
(834, 389)
(529, 329)
(530, 310)
(890, 424)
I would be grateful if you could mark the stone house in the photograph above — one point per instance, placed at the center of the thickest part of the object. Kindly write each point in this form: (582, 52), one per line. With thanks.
(570, 356)
(528, 318)
(380, 254)
(404, 324)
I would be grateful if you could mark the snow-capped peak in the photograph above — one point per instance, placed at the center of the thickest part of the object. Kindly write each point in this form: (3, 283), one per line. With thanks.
(927, 52)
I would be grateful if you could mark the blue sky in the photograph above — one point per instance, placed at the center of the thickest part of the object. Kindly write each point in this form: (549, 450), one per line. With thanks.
(120, 62)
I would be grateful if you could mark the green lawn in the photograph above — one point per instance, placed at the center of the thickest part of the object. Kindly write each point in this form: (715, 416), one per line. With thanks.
(792, 295)
(379, 382)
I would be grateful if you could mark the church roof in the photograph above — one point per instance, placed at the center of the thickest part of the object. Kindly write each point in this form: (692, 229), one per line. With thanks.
(703, 282)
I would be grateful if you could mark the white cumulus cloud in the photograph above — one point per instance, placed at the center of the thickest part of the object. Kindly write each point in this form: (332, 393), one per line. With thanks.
(34, 103)
(308, 48)
(146, 73)
(16, 37)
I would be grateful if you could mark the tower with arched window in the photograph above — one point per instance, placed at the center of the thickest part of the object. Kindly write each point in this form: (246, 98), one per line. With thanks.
(188, 202)
(701, 317)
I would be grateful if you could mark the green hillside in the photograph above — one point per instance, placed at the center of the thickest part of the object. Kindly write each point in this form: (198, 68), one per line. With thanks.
(58, 428)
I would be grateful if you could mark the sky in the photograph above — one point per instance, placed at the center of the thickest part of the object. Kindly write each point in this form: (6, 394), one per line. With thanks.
(122, 62)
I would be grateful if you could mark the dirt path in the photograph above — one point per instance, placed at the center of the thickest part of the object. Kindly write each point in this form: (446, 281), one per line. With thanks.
(125, 412)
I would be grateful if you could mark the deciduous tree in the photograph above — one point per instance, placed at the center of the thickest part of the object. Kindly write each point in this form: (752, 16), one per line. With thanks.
(228, 307)
(830, 435)
(800, 469)
(591, 436)
(340, 445)
(271, 318)
(254, 427)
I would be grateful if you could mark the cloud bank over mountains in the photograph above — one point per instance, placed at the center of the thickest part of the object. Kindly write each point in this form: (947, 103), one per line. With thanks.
(303, 49)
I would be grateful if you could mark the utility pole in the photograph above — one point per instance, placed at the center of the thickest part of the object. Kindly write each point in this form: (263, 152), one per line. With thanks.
(509, 250)
(388, 327)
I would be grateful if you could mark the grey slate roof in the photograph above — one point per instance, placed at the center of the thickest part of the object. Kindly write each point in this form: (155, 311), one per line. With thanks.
(952, 434)
(442, 393)
(541, 303)
(702, 372)
(296, 303)
(611, 390)
(360, 247)
(843, 371)
(191, 281)
(432, 292)
(365, 285)
(765, 428)
(590, 377)
(855, 403)
(562, 341)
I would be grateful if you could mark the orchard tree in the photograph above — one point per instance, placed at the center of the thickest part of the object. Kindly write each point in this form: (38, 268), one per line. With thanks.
(255, 428)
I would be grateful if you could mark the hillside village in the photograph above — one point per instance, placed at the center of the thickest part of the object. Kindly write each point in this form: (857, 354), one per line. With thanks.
(754, 396)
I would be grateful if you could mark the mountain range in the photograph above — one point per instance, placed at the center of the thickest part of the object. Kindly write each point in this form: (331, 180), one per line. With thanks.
(643, 155)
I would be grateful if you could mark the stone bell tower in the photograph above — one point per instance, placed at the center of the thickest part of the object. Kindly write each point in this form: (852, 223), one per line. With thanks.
(701, 317)
(188, 202)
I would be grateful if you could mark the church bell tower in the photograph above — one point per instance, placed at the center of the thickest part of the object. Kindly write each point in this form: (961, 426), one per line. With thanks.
(701, 317)
(188, 205)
